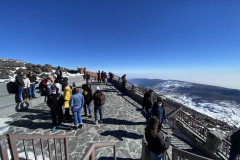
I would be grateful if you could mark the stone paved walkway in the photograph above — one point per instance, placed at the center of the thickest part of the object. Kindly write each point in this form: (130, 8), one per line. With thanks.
(123, 123)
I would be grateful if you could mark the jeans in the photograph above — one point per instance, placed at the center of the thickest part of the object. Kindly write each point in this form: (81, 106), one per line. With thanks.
(20, 91)
(77, 118)
(32, 91)
(155, 156)
(89, 108)
(99, 108)
(148, 113)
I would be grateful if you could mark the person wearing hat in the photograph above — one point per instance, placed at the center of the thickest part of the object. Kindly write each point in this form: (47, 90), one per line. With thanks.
(99, 101)
(159, 112)
(76, 103)
(55, 102)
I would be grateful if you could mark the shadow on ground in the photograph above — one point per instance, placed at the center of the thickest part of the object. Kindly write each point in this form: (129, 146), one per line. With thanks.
(119, 122)
(119, 134)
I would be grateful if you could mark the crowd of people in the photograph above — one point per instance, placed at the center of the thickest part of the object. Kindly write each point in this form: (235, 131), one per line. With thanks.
(75, 102)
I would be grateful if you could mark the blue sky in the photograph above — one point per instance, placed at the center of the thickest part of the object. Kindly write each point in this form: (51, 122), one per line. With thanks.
(196, 41)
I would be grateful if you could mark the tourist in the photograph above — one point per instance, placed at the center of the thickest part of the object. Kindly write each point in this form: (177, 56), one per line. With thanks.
(33, 81)
(64, 83)
(147, 103)
(26, 88)
(87, 93)
(67, 97)
(20, 85)
(110, 77)
(155, 139)
(76, 103)
(57, 85)
(235, 145)
(55, 102)
(99, 101)
(99, 77)
(59, 73)
(49, 86)
(88, 78)
(124, 81)
(159, 112)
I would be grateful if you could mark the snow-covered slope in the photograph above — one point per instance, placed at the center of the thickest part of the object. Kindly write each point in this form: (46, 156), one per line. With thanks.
(216, 102)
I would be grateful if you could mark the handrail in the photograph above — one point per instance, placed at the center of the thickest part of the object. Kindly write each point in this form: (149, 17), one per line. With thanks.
(193, 124)
(90, 151)
(177, 153)
(166, 155)
(13, 147)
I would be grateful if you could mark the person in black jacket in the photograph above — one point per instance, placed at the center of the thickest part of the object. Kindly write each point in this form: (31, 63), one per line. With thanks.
(59, 73)
(159, 112)
(20, 85)
(87, 93)
(155, 139)
(147, 103)
(235, 145)
(64, 83)
(55, 102)
(124, 81)
(33, 81)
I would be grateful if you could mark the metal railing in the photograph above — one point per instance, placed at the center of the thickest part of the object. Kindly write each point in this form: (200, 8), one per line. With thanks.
(184, 155)
(29, 145)
(193, 124)
(90, 151)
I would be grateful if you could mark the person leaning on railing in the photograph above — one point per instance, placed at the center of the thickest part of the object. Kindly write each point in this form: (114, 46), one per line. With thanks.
(155, 139)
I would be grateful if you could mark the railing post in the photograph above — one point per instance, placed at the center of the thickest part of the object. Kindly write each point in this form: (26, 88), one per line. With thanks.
(133, 87)
(3, 149)
(114, 152)
(119, 80)
(92, 155)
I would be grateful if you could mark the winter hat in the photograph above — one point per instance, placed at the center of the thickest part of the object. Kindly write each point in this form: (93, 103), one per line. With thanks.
(97, 88)
(54, 89)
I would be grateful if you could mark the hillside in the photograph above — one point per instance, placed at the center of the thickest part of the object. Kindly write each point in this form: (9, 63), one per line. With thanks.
(217, 102)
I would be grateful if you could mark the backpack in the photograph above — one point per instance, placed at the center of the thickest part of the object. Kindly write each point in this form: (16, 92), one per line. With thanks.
(43, 84)
(100, 99)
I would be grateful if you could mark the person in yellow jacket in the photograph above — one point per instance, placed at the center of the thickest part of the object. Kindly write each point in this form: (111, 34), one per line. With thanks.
(67, 96)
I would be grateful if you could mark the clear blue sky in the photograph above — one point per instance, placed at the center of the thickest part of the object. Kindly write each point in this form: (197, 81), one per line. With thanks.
(193, 40)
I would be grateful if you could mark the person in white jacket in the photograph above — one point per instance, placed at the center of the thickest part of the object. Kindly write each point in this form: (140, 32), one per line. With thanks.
(25, 93)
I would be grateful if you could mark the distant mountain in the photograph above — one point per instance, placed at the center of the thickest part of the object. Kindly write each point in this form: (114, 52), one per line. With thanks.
(217, 102)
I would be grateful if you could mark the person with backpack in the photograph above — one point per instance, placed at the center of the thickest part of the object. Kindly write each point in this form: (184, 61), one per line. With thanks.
(55, 101)
(124, 82)
(87, 93)
(159, 112)
(33, 81)
(147, 103)
(59, 73)
(155, 139)
(20, 85)
(76, 103)
(99, 101)
(67, 97)
(235, 145)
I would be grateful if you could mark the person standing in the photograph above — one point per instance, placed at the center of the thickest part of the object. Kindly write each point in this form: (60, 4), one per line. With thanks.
(20, 85)
(33, 81)
(155, 139)
(26, 88)
(67, 97)
(159, 112)
(76, 103)
(124, 81)
(235, 145)
(87, 93)
(88, 78)
(147, 103)
(55, 102)
(99, 77)
(99, 101)
(59, 73)
(64, 83)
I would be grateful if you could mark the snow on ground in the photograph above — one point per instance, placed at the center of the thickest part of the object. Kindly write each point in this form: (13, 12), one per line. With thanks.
(227, 111)
(4, 122)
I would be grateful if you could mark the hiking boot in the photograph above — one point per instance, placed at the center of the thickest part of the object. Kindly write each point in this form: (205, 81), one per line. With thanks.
(80, 126)
(96, 122)
(30, 98)
(53, 128)
(85, 115)
(60, 125)
(35, 97)
(100, 121)
(90, 116)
